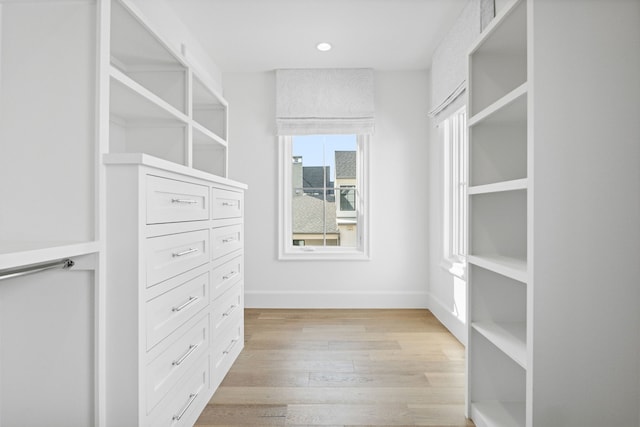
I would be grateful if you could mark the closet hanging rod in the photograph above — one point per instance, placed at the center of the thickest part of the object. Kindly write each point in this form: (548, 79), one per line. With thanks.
(35, 268)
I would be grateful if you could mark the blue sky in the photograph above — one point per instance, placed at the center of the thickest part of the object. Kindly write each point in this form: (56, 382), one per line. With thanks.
(310, 147)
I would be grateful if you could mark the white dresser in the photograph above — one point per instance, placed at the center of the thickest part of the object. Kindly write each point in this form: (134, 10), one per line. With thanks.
(175, 296)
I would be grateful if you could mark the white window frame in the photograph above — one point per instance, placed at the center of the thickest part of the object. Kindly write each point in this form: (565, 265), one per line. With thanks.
(454, 134)
(286, 249)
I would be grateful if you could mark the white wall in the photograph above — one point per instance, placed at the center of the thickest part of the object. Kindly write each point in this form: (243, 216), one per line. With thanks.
(397, 274)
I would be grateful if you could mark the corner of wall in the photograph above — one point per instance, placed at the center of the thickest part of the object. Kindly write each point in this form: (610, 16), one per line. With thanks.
(447, 318)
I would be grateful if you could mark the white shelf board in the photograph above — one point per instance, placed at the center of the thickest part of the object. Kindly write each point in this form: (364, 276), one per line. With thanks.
(206, 136)
(498, 414)
(17, 254)
(510, 267)
(497, 187)
(509, 337)
(511, 108)
(133, 102)
(142, 159)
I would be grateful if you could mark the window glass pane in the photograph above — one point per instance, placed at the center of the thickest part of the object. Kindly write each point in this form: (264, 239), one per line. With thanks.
(347, 198)
(455, 203)
(321, 164)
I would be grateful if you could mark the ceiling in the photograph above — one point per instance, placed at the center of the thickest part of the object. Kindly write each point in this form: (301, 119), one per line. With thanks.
(262, 35)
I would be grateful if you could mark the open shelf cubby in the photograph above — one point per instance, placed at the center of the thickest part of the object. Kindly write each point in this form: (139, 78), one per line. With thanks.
(498, 311)
(499, 225)
(209, 109)
(496, 386)
(498, 64)
(209, 154)
(143, 123)
(498, 151)
(137, 52)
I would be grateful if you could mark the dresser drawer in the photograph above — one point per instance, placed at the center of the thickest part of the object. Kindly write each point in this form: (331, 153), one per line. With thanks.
(225, 275)
(226, 346)
(166, 370)
(168, 311)
(183, 405)
(227, 310)
(170, 255)
(226, 204)
(225, 240)
(169, 200)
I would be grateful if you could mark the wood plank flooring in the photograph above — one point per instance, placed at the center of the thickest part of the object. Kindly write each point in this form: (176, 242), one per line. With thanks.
(342, 368)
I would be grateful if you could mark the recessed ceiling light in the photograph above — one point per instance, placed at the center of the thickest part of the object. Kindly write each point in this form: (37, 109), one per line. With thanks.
(323, 47)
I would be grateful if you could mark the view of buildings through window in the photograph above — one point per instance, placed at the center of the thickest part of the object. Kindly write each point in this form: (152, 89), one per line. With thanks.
(325, 190)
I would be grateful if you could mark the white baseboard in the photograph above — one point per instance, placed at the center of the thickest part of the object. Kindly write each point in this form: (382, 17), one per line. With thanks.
(329, 299)
(448, 319)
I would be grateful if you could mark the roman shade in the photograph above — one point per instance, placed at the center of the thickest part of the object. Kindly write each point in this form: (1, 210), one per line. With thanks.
(449, 65)
(324, 101)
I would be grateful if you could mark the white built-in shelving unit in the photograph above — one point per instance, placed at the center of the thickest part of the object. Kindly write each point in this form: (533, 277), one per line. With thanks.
(83, 84)
(554, 199)
(159, 104)
(499, 266)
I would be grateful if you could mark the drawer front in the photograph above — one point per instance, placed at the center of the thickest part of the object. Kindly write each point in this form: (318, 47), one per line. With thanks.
(225, 275)
(226, 349)
(168, 311)
(226, 204)
(169, 200)
(227, 343)
(182, 407)
(169, 367)
(170, 255)
(225, 240)
(227, 310)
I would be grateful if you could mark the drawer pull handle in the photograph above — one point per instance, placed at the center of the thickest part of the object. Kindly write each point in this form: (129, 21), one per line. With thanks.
(192, 398)
(228, 240)
(178, 362)
(234, 204)
(184, 201)
(190, 301)
(183, 253)
(228, 312)
(228, 350)
(229, 275)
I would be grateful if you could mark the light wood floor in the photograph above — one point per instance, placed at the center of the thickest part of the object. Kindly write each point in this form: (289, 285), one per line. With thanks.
(342, 368)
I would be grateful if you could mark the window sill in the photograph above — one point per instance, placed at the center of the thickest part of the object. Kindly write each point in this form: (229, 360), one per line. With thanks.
(313, 254)
(455, 267)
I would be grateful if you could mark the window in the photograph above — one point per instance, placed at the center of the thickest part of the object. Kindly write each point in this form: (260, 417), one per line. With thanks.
(347, 198)
(454, 131)
(323, 198)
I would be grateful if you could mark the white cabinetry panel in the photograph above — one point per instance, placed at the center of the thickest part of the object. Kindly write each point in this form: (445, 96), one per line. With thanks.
(176, 316)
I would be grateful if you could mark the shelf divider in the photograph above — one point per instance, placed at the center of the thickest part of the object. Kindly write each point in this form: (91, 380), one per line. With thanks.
(509, 337)
(506, 266)
(147, 95)
(497, 187)
(206, 132)
(498, 105)
(498, 414)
